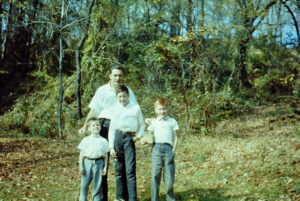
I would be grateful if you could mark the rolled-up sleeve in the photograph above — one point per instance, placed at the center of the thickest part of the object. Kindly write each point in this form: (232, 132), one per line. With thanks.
(97, 101)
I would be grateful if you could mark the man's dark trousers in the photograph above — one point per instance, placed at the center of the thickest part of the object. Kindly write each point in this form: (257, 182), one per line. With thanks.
(104, 133)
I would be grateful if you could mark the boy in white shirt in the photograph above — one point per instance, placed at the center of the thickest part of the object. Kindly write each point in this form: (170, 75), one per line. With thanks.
(92, 161)
(126, 127)
(164, 129)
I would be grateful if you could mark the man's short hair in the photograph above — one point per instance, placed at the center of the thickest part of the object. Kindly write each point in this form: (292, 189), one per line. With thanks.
(122, 88)
(117, 66)
(161, 101)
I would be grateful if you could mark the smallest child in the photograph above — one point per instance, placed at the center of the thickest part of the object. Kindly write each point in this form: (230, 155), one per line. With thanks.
(92, 161)
(163, 128)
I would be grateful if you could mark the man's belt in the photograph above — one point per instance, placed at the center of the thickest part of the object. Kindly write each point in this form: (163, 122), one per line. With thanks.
(127, 132)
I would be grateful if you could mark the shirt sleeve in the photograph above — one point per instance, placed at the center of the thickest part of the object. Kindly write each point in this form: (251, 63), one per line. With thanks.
(175, 125)
(106, 146)
(112, 132)
(132, 97)
(141, 124)
(82, 144)
(97, 100)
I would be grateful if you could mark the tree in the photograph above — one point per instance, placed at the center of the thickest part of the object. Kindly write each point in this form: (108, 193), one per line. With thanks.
(251, 15)
(78, 57)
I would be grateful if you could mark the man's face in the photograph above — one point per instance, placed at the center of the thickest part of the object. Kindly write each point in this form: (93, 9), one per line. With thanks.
(123, 98)
(161, 110)
(116, 77)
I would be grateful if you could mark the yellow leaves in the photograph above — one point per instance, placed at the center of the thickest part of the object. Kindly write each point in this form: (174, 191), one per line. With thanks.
(182, 39)
(287, 80)
(179, 39)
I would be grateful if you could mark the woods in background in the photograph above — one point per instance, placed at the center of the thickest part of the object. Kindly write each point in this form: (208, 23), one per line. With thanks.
(203, 53)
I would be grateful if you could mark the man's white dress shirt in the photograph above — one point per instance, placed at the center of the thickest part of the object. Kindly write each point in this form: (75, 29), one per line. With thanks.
(105, 98)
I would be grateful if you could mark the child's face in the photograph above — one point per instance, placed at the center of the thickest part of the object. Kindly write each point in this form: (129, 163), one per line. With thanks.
(123, 98)
(161, 110)
(94, 127)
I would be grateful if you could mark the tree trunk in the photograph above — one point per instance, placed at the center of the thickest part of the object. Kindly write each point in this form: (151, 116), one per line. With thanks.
(60, 79)
(294, 20)
(241, 66)
(78, 61)
(61, 90)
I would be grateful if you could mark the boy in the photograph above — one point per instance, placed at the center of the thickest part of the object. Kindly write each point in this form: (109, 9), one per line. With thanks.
(101, 107)
(164, 129)
(92, 161)
(126, 127)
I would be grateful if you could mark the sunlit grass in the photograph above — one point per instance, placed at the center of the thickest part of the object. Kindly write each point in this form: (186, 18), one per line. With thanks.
(261, 164)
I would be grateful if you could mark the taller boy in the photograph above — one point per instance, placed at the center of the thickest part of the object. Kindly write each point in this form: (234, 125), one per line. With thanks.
(101, 107)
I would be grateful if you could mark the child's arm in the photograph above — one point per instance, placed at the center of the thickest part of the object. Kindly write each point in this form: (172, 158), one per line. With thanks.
(141, 126)
(105, 165)
(149, 120)
(175, 141)
(111, 138)
(81, 167)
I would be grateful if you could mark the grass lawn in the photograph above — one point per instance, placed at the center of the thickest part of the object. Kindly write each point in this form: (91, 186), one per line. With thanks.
(252, 157)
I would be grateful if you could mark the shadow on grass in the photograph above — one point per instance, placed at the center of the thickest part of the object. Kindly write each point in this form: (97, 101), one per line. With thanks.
(196, 195)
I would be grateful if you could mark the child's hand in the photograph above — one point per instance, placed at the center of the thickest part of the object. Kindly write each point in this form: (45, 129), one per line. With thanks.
(149, 120)
(113, 153)
(135, 139)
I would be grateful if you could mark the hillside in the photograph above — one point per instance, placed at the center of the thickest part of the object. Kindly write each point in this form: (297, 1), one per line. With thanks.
(255, 156)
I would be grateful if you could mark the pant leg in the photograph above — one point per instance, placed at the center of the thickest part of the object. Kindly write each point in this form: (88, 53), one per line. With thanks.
(169, 172)
(120, 168)
(85, 180)
(97, 194)
(130, 163)
(104, 133)
(157, 165)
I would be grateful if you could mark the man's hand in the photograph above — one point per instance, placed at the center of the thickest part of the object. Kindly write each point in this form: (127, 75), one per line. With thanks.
(82, 130)
(82, 171)
(113, 153)
(104, 171)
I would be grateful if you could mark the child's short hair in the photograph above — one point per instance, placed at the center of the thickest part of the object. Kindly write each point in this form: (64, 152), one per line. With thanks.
(161, 101)
(122, 88)
(90, 120)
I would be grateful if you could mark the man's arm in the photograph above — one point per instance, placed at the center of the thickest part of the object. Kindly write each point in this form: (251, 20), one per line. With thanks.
(92, 114)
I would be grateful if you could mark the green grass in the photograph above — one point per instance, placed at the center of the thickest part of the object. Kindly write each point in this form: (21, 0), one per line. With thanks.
(259, 162)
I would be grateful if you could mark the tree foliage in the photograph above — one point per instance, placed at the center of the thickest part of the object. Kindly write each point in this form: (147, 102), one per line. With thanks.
(204, 55)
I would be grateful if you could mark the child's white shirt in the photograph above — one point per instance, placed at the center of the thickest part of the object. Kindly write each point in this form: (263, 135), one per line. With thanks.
(128, 118)
(94, 146)
(163, 130)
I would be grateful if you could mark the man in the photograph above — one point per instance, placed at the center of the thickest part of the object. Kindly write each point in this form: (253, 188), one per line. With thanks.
(102, 104)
